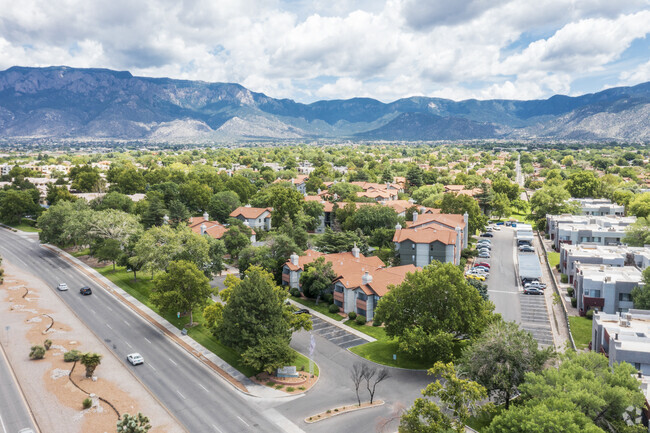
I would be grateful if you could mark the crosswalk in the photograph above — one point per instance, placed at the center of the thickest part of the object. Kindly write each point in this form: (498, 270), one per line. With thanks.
(336, 335)
(534, 318)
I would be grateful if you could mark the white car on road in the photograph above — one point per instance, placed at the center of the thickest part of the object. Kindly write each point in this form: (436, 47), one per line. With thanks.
(135, 358)
(62, 287)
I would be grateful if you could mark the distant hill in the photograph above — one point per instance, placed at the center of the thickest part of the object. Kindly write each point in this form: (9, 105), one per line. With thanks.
(62, 102)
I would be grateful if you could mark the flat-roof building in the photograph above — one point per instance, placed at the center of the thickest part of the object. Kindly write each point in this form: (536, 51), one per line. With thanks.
(605, 287)
(599, 207)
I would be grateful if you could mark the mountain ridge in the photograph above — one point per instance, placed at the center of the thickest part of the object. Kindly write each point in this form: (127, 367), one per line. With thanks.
(65, 102)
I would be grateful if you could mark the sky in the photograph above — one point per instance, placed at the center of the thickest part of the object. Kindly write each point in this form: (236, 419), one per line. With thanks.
(309, 50)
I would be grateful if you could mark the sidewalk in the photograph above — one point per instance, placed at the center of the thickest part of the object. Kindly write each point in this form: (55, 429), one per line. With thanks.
(221, 367)
(336, 323)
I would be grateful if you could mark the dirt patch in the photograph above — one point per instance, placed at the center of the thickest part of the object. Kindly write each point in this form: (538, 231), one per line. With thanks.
(299, 384)
(93, 262)
(55, 401)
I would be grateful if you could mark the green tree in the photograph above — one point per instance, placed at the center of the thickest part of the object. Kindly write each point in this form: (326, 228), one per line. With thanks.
(313, 184)
(113, 224)
(269, 354)
(500, 358)
(458, 400)
(182, 288)
(106, 249)
(153, 210)
(113, 200)
(178, 213)
(195, 195)
(240, 186)
(133, 424)
(56, 194)
(86, 179)
(550, 200)
(641, 294)
(638, 234)
(339, 242)
(156, 248)
(414, 176)
(222, 204)
(640, 205)
(427, 191)
(317, 278)
(551, 416)
(432, 307)
(129, 181)
(370, 218)
(91, 361)
(501, 205)
(15, 204)
(283, 198)
(461, 204)
(583, 184)
(213, 315)
(502, 185)
(313, 210)
(236, 239)
(253, 312)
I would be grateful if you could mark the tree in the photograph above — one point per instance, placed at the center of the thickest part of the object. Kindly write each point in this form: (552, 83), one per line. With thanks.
(113, 200)
(357, 374)
(255, 256)
(283, 198)
(427, 191)
(550, 200)
(414, 176)
(129, 181)
(313, 184)
(500, 357)
(240, 186)
(641, 294)
(584, 390)
(216, 251)
(583, 184)
(15, 204)
(91, 361)
(461, 204)
(156, 248)
(376, 377)
(182, 288)
(640, 205)
(338, 242)
(370, 218)
(56, 194)
(106, 249)
(458, 397)
(222, 204)
(501, 205)
(502, 185)
(269, 354)
(86, 179)
(178, 213)
(213, 315)
(154, 210)
(253, 312)
(133, 424)
(113, 224)
(638, 233)
(313, 210)
(236, 239)
(195, 195)
(317, 278)
(432, 307)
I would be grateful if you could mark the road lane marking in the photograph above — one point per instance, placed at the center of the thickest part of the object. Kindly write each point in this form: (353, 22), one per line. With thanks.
(216, 428)
(109, 308)
(93, 310)
(127, 343)
(148, 340)
(4, 429)
(179, 393)
(172, 361)
(109, 326)
(502, 291)
(206, 389)
(127, 323)
(152, 367)
(243, 421)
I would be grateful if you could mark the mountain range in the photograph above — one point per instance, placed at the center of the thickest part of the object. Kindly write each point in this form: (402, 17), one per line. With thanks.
(62, 102)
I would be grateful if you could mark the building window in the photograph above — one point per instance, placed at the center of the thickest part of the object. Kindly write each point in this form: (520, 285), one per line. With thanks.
(595, 293)
(338, 303)
(361, 312)
(362, 296)
(338, 289)
(413, 246)
(625, 297)
(637, 366)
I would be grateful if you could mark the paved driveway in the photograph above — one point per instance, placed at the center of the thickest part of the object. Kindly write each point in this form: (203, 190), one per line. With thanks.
(334, 334)
(534, 318)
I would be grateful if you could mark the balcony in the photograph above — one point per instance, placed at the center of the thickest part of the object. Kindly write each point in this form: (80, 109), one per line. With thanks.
(361, 304)
(590, 302)
(286, 278)
(338, 296)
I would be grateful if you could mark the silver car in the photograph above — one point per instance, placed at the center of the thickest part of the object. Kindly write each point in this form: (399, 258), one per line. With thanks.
(62, 287)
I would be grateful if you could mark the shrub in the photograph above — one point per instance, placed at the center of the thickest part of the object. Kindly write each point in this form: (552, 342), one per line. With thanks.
(278, 386)
(564, 278)
(87, 403)
(290, 389)
(302, 388)
(295, 292)
(336, 410)
(569, 291)
(270, 383)
(328, 297)
(361, 320)
(37, 352)
(71, 356)
(574, 302)
(333, 309)
(47, 343)
(329, 410)
(352, 315)
(557, 266)
(589, 314)
(376, 323)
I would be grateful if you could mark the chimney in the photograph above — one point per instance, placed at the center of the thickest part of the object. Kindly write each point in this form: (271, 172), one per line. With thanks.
(166, 219)
(415, 216)
(466, 217)
(366, 278)
(398, 226)
(318, 191)
(203, 229)
(356, 251)
(206, 217)
(294, 259)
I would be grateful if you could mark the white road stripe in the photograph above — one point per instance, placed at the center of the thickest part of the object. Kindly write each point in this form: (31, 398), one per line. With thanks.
(152, 367)
(172, 361)
(243, 421)
(179, 393)
(109, 326)
(206, 389)
(216, 428)
(109, 308)
(93, 310)
(127, 323)
(4, 429)
(147, 340)
(127, 343)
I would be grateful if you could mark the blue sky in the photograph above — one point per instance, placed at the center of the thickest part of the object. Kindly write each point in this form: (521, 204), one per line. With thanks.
(309, 50)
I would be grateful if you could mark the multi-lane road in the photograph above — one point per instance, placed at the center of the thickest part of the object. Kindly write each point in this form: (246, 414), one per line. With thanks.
(195, 395)
(14, 414)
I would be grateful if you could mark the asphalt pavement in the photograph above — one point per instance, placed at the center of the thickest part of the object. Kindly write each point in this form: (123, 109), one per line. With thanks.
(502, 283)
(201, 400)
(14, 414)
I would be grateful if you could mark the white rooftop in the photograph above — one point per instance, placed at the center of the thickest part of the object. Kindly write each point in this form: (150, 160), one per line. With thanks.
(611, 273)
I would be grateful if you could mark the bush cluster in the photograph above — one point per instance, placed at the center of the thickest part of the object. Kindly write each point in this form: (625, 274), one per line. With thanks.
(352, 315)
(564, 278)
(569, 291)
(87, 403)
(72, 355)
(589, 314)
(333, 309)
(361, 320)
(37, 352)
(295, 292)
(574, 302)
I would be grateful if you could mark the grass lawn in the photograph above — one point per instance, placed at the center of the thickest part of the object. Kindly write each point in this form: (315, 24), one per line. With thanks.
(322, 307)
(553, 259)
(25, 225)
(523, 217)
(141, 291)
(581, 331)
(374, 331)
(80, 253)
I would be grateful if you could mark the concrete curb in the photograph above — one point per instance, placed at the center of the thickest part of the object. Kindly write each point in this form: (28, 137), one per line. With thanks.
(334, 322)
(332, 415)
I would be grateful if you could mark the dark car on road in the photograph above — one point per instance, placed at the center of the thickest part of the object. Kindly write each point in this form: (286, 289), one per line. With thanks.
(487, 235)
(86, 291)
(533, 291)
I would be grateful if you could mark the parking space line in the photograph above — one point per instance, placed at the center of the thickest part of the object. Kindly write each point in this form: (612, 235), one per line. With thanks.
(240, 419)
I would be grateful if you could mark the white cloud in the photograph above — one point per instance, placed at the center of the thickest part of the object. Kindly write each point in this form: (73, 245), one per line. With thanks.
(308, 49)
(638, 75)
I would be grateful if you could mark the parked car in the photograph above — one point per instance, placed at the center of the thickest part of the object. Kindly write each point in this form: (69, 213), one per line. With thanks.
(533, 291)
(497, 227)
(484, 242)
(526, 249)
(483, 255)
(482, 268)
(475, 277)
(500, 223)
(484, 264)
(301, 311)
(487, 235)
(62, 287)
(484, 247)
(508, 224)
(86, 291)
(535, 285)
(135, 358)
(488, 229)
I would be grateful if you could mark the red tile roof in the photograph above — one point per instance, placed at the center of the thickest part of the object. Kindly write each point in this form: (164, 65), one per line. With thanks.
(426, 235)
(449, 220)
(250, 212)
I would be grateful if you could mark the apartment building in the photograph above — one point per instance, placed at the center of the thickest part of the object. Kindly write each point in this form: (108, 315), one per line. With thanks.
(616, 256)
(599, 207)
(605, 287)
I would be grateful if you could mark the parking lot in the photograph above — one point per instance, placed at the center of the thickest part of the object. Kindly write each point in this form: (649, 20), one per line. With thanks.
(507, 295)
(336, 335)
